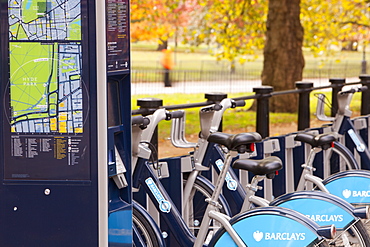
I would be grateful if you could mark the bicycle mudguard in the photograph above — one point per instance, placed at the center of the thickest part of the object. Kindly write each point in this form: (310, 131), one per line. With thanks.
(270, 226)
(323, 208)
(352, 186)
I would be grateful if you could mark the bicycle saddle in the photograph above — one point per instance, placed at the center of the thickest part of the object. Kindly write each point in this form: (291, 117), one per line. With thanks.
(322, 140)
(267, 166)
(235, 142)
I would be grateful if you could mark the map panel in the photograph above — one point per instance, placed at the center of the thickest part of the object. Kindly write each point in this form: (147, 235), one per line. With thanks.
(46, 87)
(47, 100)
(44, 20)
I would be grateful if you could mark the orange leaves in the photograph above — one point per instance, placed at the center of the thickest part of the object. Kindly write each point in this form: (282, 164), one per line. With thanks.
(153, 19)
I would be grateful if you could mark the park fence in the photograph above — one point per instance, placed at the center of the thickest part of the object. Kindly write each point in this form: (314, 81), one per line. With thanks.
(240, 80)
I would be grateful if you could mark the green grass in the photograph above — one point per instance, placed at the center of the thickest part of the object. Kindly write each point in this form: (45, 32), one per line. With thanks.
(145, 56)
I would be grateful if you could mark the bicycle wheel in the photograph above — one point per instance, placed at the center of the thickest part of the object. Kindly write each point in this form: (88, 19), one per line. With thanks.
(366, 224)
(340, 158)
(355, 236)
(145, 233)
(197, 205)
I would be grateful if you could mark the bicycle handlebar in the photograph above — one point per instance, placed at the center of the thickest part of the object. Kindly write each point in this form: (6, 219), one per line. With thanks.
(354, 90)
(215, 107)
(174, 114)
(140, 120)
(238, 103)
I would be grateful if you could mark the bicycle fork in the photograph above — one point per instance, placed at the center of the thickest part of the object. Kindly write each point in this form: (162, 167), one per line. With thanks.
(212, 212)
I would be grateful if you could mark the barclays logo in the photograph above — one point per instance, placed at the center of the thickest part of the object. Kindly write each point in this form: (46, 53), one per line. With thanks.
(326, 218)
(348, 193)
(164, 205)
(230, 182)
(278, 236)
(258, 236)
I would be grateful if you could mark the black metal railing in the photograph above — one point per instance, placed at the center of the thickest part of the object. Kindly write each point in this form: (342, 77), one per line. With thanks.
(264, 93)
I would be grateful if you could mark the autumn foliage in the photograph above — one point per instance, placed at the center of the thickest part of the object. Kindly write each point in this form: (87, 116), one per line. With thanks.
(238, 27)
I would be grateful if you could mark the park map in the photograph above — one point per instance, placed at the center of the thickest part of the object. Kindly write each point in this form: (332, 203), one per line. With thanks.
(45, 66)
(46, 100)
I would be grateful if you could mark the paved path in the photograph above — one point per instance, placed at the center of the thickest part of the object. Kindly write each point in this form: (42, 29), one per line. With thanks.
(209, 86)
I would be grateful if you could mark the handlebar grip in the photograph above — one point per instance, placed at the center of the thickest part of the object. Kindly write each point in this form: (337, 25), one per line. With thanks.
(140, 120)
(363, 88)
(175, 114)
(354, 90)
(238, 103)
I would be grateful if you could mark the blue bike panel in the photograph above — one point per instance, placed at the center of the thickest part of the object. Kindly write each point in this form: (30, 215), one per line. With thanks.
(353, 189)
(119, 227)
(321, 211)
(270, 230)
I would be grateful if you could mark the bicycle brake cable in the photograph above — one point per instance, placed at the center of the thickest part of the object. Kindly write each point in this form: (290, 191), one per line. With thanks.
(153, 155)
(325, 100)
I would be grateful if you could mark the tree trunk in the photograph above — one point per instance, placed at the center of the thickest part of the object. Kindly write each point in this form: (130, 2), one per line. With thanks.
(163, 44)
(283, 58)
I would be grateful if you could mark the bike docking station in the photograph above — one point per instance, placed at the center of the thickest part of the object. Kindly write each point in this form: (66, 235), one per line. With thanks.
(295, 156)
(65, 123)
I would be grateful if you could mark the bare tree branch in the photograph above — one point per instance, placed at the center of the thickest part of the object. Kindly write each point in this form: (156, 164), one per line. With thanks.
(355, 23)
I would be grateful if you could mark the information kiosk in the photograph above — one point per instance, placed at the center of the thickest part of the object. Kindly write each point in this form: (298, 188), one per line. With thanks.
(59, 61)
